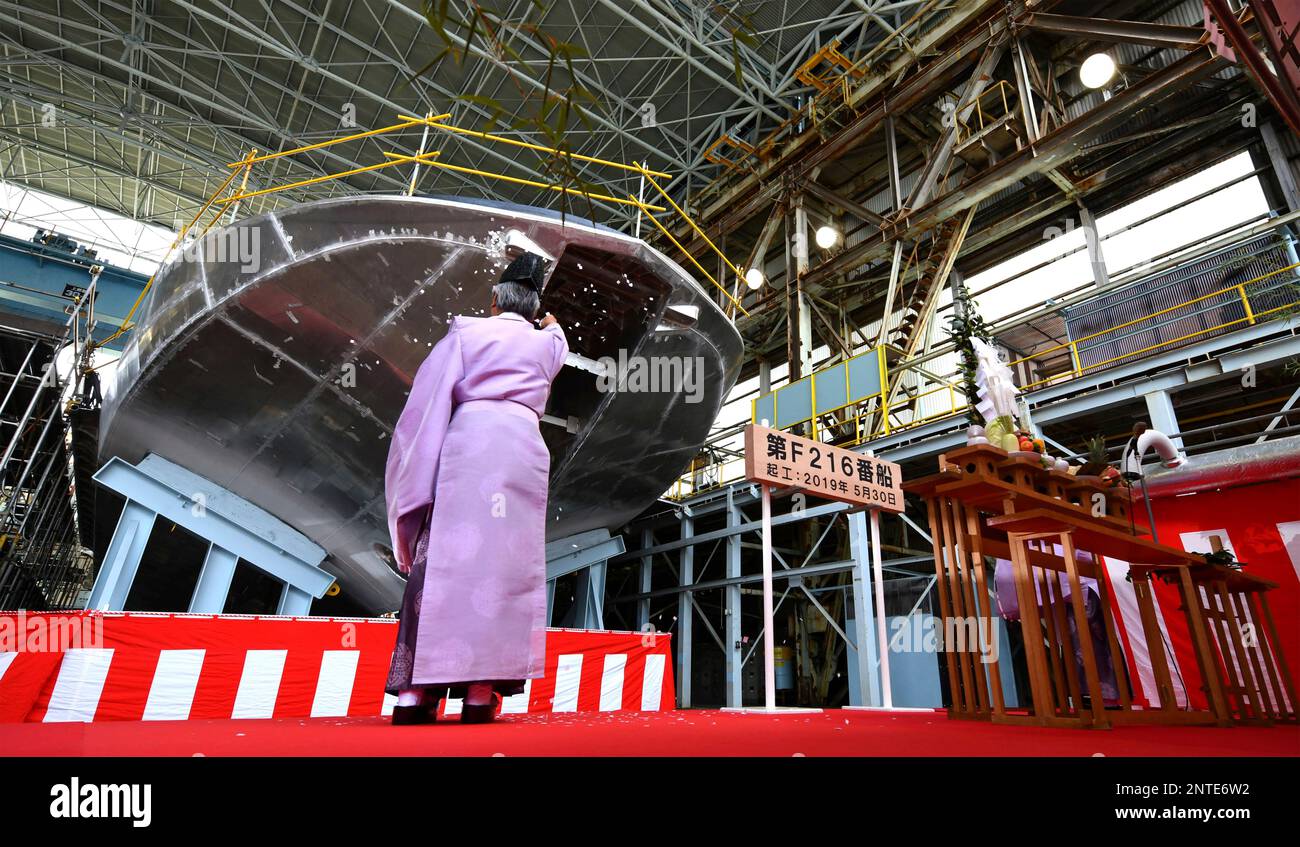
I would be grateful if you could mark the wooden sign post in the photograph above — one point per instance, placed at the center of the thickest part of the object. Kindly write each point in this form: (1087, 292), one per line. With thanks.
(777, 459)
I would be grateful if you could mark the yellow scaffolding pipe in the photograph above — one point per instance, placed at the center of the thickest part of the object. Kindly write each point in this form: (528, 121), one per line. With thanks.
(708, 275)
(530, 146)
(687, 218)
(326, 177)
(397, 158)
(180, 236)
(406, 123)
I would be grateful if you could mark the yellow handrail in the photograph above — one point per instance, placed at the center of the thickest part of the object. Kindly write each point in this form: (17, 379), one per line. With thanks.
(406, 123)
(1149, 348)
(327, 177)
(1154, 314)
(180, 236)
(649, 178)
(398, 158)
(225, 201)
(500, 139)
(679, 246)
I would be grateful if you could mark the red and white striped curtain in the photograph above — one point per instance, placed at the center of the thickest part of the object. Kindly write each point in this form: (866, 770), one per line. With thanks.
(89, 666)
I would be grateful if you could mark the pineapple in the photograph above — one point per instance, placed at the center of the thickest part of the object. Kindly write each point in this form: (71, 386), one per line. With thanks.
(1096, 457)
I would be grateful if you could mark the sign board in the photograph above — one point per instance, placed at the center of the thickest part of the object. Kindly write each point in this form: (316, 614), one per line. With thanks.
(791, 461)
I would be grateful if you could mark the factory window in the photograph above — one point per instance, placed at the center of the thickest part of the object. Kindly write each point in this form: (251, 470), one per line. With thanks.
(252, 592)
(113, 238)
(169, 570)
(1177, 219)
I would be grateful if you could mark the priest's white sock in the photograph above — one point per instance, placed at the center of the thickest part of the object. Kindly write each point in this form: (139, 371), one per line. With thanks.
(409, 697)
(479, 694)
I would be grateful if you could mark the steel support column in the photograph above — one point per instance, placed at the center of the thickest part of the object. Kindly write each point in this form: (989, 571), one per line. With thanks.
(862, 654)
(732, 631)
(1282, 171)
(1096, 255)
(645, 576)
(685, 613)
(1160, 406)
(804, 323)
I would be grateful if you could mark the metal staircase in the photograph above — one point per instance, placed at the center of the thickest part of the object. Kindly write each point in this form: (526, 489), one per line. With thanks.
(923, 298)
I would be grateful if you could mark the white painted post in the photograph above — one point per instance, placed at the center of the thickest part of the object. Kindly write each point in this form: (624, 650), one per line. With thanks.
(769, 624)
(878, 580)
(640, 197)
(415, 171)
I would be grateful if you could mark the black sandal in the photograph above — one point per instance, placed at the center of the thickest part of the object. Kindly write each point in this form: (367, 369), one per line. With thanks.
(410, 715)
(425, 713)
(482, 713)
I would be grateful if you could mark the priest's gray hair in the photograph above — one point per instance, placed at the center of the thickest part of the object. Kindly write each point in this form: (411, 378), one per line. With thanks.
(516, 297)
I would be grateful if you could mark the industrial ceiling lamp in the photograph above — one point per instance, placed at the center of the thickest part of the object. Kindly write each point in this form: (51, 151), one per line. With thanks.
(754, 278)
(827, 237)
(1097, 70)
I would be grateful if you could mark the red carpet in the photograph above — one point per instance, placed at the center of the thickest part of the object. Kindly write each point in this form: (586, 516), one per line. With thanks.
(680, 733)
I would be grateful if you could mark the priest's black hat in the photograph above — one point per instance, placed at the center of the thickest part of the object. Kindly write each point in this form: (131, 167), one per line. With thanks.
(528, 269)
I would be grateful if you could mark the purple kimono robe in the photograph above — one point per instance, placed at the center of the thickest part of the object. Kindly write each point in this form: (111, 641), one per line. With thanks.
(1009, 606)
(466, 487)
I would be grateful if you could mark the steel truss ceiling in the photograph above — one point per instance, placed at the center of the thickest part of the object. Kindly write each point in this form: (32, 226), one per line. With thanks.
(138, 105)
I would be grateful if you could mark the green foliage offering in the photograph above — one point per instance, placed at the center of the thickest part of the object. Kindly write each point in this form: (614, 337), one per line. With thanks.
(964, 324)
(1097, 461)
(1097, 449)
(1222, 557)
(475, 29)
(742, 32)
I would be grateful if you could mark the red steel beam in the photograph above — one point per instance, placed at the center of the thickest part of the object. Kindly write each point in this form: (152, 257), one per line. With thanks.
(1285, 101)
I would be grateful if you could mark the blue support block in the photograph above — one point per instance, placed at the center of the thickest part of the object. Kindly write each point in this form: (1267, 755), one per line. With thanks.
(294, 601)
(118, 569)
(214, 581)
(235, 529)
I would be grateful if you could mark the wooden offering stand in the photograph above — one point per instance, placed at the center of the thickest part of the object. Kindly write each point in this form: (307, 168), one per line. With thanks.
(986, 502)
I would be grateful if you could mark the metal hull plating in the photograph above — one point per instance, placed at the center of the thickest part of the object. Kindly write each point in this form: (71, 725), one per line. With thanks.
(274, 357)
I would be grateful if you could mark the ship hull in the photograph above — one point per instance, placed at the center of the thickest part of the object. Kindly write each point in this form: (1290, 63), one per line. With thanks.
(274, 357)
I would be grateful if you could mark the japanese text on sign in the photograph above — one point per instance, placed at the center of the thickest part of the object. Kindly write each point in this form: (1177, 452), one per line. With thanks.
(790, 461)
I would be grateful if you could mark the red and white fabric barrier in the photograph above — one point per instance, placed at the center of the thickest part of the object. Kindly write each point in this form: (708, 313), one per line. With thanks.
(1260, 524)
(90, 666)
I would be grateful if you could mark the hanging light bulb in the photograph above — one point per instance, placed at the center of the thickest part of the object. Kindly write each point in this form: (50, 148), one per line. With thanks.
(754, 278)
(1097, 70)
(827, 237)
